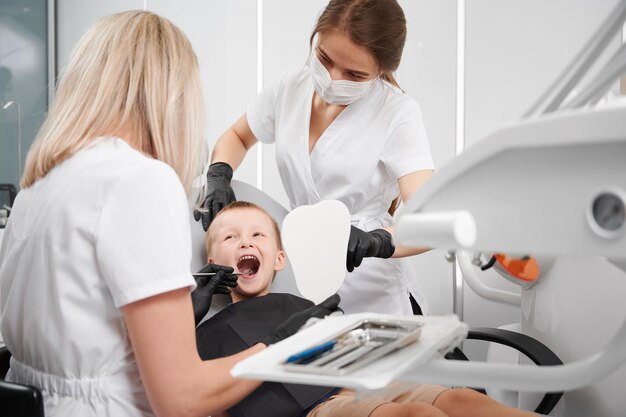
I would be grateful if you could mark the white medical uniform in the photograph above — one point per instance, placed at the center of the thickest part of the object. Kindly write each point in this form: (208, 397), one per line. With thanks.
(357, 160)
(107, 227)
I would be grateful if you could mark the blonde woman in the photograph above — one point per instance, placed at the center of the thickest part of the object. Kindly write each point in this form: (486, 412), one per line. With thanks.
(94, 267)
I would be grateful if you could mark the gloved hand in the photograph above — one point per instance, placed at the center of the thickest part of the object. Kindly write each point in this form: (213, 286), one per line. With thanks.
(377, 243)
(297, 320)
(209, 285)
(219, 192)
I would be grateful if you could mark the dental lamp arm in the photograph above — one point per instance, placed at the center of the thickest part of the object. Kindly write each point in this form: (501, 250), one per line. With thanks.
(403, 251)
(602, 81)
(554, 96)
(437, 229)
(530, 378)
(479, 287)
(459, 227)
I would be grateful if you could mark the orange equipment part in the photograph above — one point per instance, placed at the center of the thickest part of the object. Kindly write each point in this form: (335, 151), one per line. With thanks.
(526, 269)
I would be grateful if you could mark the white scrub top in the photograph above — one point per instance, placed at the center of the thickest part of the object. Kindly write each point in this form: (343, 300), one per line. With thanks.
(358, 161)
(107, 227)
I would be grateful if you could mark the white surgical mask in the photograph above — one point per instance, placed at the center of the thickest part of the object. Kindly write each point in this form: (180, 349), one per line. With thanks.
(341, 92)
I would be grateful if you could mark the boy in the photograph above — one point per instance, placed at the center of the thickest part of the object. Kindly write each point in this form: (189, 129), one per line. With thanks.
(246, 237)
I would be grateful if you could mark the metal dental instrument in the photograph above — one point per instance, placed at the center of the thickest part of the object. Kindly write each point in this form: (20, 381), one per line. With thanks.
(210, 274)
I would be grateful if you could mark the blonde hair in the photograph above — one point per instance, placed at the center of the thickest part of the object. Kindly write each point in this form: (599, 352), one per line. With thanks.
(243, 205)
(133, 74)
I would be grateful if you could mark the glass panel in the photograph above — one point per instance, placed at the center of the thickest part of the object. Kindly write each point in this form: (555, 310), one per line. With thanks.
(23, 81)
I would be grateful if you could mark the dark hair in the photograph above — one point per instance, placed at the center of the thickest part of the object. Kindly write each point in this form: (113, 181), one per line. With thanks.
(378, 25)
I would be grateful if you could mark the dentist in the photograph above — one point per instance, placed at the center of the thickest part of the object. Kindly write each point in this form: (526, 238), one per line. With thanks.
(343, 130)
(95, 264)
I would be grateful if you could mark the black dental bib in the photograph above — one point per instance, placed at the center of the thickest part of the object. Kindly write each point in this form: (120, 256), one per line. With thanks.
(241, 325)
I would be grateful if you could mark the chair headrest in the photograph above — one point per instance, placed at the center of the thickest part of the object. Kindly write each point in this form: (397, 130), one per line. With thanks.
(284, 281)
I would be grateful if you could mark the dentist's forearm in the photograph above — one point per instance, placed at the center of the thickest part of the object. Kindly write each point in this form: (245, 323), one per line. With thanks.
(230, 149)
(233, 145)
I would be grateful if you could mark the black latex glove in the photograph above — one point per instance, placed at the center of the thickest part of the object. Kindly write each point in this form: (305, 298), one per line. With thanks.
(377, 243)
(297, 320)
(210, 285)
(219, 192)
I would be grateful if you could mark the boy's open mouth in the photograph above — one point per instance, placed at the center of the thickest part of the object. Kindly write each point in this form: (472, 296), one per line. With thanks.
(248, 265)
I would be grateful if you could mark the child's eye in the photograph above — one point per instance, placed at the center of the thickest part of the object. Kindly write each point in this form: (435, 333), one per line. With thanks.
(257, 234)
(229, 237)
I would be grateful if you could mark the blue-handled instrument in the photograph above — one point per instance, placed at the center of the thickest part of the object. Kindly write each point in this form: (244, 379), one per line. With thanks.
(311, 353)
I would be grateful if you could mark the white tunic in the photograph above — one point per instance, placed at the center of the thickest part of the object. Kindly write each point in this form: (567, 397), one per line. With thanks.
(357, 160)
(105, 228)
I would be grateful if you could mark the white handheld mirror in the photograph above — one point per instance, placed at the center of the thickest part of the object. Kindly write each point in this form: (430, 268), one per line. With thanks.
(316, 241)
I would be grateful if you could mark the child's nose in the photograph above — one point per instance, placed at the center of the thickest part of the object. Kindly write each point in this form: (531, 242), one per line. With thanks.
(245, 243)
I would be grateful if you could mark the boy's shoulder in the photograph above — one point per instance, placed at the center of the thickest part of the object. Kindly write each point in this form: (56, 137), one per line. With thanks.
(282, 301)
(245, 323)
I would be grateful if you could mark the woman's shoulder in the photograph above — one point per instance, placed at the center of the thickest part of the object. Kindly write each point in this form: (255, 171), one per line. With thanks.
(119, 168)
(394, 105)
(396, 97)
(117, 151)
(133, 163)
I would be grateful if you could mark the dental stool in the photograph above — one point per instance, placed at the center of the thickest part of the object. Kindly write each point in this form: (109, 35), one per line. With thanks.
(285, 283)
(17, 400)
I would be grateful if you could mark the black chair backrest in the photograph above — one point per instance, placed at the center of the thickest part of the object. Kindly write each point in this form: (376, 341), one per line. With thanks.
(17, 400)
(5, 357)
(8, 192)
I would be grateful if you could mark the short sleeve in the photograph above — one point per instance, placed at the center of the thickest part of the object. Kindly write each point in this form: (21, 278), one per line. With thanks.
(261, 112)
(143, 238)
(407, 149)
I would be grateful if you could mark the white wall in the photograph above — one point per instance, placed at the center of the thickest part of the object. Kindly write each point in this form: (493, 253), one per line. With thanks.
(428, 74)
(75, 17)
(223, 34)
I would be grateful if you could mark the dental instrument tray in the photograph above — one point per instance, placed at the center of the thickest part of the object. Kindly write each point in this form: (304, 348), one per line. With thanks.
(360, 351)
(362, 343)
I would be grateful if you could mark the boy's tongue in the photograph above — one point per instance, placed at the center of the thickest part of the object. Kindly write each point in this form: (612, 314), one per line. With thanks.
(248, 265)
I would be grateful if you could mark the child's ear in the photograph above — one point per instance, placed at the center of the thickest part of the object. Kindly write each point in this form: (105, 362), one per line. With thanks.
(210, 260)
(279, 265)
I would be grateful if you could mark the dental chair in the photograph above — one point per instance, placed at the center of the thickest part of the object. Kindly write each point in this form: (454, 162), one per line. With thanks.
(17, 400)
(284, 282)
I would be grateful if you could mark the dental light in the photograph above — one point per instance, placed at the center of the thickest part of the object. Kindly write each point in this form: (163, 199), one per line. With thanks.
(567, 160)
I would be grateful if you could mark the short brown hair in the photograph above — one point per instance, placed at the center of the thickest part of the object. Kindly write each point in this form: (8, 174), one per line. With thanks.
(244, 205)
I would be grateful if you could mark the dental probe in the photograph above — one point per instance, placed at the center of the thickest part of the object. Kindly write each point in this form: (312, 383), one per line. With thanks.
(210, 274)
